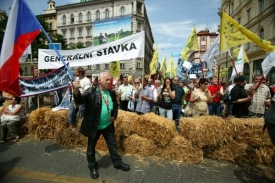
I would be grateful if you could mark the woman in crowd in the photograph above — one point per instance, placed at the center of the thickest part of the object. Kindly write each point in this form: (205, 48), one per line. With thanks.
(10, 119)
(165, 99)
(200, 98)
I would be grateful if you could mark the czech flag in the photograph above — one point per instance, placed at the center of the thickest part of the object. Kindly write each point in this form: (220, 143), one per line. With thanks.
(22, 28)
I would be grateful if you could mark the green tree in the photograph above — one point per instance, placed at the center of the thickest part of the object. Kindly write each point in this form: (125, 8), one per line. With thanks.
(41, 41)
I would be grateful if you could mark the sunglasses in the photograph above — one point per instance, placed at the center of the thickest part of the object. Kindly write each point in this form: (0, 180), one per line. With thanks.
(176, 80)
(136, 83)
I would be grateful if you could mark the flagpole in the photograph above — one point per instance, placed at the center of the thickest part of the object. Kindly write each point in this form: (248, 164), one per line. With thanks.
(233, 63)
(59, 55)
(202, 73)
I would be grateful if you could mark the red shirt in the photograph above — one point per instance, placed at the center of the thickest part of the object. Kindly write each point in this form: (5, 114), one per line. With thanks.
(213, 90)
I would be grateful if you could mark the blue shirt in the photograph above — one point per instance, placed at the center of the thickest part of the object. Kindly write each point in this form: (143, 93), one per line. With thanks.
(144, 106)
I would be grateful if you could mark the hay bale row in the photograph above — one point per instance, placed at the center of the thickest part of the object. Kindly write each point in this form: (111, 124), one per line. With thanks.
(235, 140)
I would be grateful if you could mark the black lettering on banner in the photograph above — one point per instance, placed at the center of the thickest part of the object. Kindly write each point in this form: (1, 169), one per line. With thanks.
(52, 59)
(133, 46)
(80, 56)
(99, 53)
(116, 48)
(70, 57)
(75, 57)
(124, 47)
(105, 51)
(110, 50)
(46, 59)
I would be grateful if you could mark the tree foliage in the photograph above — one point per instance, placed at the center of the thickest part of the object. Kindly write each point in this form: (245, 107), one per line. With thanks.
(41, 41)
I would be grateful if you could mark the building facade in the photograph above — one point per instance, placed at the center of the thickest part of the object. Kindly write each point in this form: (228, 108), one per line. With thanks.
(75, 23)
(205, 40)
(49, 15)
(258, 16)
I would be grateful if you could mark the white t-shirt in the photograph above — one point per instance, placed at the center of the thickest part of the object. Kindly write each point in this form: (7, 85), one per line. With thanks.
(84, 83)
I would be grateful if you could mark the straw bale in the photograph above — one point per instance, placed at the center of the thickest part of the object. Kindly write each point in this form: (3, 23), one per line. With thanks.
(137, 145)
(233, 152)
(249, 130)
(157, 128)
(36, 118)
(205, 131)
(70, 139)
(181, 149)
(126, 122)
(23, 129)
(265, 155)
(44, 132)
(56, 119)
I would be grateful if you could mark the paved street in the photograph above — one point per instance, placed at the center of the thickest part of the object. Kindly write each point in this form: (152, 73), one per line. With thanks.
(32, 161)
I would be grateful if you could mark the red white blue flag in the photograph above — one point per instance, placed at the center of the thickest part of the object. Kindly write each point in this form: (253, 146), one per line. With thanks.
(22, 28)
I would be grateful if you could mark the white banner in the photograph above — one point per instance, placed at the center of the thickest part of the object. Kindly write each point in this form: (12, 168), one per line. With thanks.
(268, 63)
(239, 64)
(122, 49)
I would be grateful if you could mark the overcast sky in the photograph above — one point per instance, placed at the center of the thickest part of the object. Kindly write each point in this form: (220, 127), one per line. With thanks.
(171, 20)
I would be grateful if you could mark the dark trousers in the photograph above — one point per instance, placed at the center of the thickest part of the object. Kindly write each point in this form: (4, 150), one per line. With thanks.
(124, 105)
(108, 134)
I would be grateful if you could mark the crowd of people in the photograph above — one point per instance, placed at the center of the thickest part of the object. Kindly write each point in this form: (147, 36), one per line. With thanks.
(97, 103)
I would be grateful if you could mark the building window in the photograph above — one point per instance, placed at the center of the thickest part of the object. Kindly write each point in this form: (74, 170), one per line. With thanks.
(89, 32)
(261, 6)
(122, 11)
(212, 39)
(64, 33)
(203, 38)
(51, 25)
(89, 66)
(80, 17)
(71, 33)
(239, 20)
(72, 18)
(261, 33)
(106, 66)
(97, 66)
(122, 65)
(203, 47)
(248, 12)
(97, 15)
(107, 13)
(64, 20)
(80, 34)
(231, 8)
(138, 64)
(89, 16)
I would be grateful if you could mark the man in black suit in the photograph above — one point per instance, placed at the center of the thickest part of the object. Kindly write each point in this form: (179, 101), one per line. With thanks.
(100, 112)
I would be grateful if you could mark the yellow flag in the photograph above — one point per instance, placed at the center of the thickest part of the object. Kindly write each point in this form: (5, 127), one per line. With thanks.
(236, 53)
(163, 67)
(191, 44)
(171, 70)
(115, 66)
(223, 72)
(154, 61)
(232, 34)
